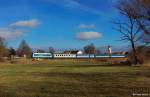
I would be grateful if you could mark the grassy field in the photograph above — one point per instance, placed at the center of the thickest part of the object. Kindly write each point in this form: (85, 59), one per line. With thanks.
(72, 79)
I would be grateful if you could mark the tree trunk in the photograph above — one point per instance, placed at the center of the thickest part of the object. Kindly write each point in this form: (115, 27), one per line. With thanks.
(135, 60)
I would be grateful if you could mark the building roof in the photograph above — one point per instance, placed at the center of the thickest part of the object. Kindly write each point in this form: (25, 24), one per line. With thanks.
(71, 52)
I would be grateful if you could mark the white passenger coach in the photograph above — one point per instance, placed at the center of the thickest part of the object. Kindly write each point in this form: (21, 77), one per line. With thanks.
(64, 55)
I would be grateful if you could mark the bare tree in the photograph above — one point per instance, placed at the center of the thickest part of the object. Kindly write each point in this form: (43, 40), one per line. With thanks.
(90, 49)
(12, 53)
(98, 51)
(51, 50)
(128, 27)
(140, 11)
(3, 49)
(40, 51)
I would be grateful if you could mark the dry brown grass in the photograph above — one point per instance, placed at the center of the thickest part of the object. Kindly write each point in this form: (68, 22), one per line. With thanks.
(62, 78)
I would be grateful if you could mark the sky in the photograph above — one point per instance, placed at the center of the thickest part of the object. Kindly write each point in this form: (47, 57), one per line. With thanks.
(59, 23)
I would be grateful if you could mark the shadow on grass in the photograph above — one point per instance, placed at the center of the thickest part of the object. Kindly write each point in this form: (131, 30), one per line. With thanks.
(97, 65)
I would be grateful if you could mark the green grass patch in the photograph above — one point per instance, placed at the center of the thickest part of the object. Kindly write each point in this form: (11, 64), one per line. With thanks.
(72, 79)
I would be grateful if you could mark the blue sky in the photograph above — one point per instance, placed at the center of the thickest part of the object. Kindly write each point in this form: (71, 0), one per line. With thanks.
(58, 23)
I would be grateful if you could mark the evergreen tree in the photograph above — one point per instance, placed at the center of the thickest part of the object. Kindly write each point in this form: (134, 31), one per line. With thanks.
(24, 49)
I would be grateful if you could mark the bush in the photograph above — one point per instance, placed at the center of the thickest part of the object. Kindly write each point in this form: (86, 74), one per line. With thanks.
(2, 59)
(143, 54)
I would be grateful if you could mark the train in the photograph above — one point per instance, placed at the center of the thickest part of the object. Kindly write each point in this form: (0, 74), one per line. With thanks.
(75, 56)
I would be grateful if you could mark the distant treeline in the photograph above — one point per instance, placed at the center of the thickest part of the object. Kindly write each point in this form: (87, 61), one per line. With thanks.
(24, 50)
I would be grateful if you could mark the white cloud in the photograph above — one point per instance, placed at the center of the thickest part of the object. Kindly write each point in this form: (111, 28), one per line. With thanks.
(74, 4)
(26, 23)
(65, 3)
(71, 3)
(88, 35)
(12, 31)
(87, 26)
(8, 33)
